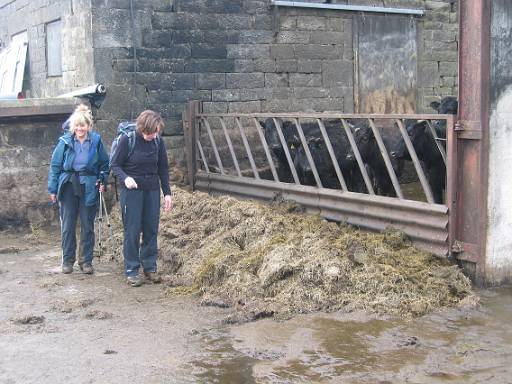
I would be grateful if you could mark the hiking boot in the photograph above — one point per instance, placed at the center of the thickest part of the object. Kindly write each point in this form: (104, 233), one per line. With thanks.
(87, 269)
(134, 281)
(67, 268)
(153, 277)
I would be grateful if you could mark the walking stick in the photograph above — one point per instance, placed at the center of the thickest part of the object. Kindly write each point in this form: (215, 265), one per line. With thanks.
(111, 240)
(100, 224)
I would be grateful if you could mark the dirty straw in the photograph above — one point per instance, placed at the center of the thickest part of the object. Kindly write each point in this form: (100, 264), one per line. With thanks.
(271, 260)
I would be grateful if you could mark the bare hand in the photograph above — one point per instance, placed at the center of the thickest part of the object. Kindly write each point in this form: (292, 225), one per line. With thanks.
(167, 202)
(101, 187)
(53, 198)
(130, 183)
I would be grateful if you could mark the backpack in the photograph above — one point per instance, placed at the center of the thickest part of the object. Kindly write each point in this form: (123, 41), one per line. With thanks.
(66, 125)
(127, 128)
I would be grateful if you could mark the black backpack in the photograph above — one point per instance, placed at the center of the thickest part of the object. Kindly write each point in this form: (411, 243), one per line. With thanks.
(128, 128)
(124, 128)
(66, 125)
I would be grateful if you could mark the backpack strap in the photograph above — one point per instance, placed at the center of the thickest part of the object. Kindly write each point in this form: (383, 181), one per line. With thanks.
(157, 143)
(131, 142)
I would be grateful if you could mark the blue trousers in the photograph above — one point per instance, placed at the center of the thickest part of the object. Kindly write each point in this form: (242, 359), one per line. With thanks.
(71, 207)
(141, 215)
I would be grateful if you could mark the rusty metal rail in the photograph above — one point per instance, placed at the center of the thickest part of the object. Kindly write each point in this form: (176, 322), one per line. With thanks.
(229, 153)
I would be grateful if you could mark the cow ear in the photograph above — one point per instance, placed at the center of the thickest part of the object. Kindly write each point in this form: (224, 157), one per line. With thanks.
(435, 105)
(315, 140)
(293, 142)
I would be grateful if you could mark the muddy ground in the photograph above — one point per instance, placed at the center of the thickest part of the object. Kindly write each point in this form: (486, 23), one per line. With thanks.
(94, 329)
(342, 305)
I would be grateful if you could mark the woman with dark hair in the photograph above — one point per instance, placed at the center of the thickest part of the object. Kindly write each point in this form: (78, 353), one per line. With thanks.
(79, 162)
(142, 170)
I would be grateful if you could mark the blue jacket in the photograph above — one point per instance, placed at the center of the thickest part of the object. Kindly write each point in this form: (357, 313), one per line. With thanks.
(61, 166)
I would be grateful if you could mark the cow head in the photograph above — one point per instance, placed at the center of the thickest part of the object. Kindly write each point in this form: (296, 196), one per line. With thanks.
(400, 151)
(365, 141)
(420, 136)
(320, 157)
(448, 106)
(272, 135)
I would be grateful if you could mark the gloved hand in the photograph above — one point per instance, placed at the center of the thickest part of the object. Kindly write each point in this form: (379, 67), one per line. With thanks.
(130, 183)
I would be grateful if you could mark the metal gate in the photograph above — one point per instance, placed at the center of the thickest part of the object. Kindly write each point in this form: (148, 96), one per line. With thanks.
(228, 153)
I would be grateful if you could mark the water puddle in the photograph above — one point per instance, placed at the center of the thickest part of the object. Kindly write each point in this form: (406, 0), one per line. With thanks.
(454, 346)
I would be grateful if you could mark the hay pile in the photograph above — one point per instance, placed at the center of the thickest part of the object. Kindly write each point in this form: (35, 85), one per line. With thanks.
(271, 261)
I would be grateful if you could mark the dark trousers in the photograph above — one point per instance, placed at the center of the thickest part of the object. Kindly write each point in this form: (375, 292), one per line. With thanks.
(71, 207)
(141, 214)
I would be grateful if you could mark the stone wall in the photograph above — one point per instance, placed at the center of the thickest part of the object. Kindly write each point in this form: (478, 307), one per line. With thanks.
(235, 57)
(438, 53)
(231, 54)
(77, 58)
(29, 130)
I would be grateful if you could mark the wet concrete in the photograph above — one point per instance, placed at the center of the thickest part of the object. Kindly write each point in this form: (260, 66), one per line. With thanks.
(95, 329)
(77, 328)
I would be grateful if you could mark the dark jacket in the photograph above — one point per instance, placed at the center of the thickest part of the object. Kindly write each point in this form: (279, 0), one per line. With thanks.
(147, 164)
(61, 166)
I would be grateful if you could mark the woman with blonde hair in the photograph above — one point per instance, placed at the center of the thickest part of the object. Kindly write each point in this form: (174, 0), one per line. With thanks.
(78, 169)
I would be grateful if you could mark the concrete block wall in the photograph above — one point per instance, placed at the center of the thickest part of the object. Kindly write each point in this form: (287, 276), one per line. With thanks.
(230, 54)
(26, 146)
(32, 16)
(438, 53)
(233, 56)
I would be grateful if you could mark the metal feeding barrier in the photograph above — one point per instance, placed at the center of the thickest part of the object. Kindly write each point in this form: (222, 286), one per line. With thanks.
(229, 153)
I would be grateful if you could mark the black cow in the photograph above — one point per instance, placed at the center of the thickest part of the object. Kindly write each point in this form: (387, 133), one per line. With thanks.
(322, 159)
(428, 153)
(426, 148)
(447, 106)
(272, 138)
(373, 159)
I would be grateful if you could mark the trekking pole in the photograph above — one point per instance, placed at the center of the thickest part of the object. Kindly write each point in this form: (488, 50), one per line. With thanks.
(100, 224)
(115, 188)
(110, 237)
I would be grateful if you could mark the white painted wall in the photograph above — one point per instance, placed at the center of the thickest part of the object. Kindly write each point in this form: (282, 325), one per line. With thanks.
(498, 262)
